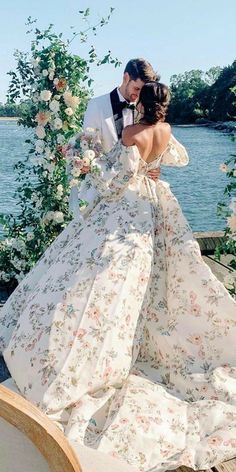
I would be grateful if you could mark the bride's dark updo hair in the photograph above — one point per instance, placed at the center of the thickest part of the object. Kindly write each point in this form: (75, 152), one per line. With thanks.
(155, 98)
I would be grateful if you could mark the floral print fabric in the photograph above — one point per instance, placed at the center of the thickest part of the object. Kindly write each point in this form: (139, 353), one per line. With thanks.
(122, 334)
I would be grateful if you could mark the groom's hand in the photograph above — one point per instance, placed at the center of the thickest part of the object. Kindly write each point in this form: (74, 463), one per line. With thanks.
(154, 174)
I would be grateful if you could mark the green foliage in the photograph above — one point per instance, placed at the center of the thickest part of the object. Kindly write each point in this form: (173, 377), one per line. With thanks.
(221, 92)
(54, 85)
(196, 94)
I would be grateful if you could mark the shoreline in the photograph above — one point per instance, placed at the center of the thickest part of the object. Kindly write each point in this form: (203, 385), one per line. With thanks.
(9, 118)
(227, 126)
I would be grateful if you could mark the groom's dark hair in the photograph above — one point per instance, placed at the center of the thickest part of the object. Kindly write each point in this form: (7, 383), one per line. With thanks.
(141, 69)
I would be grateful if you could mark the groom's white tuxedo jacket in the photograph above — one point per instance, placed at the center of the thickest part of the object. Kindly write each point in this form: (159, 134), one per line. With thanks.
(99, 115)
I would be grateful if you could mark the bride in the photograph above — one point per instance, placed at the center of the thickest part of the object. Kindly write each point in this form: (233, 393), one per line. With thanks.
(121, 333)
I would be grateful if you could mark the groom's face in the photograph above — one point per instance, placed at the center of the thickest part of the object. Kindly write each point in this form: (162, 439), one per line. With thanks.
(132, 88)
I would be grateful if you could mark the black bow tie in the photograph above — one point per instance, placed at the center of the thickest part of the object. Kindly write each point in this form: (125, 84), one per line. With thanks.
(125, 104)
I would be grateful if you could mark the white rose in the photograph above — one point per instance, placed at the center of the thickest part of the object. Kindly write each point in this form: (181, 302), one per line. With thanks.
(47, 151)
(39, 146)
(49, 167)
(74, 183)
(20, 276)
(49, 154)
(56, 81)
(4, 276)
(54, 106)
(45, 72)
(60, 139)
(38, 203)
(34, 197)
(35, 62)
(84, 145)
(40, 132)
(58, 217)
(86, 161)
(234, 173)
(69, 111)
(223, 168)
(45, 95)
(76, 172)
(35, 97)
(57, 123)
(60, 188)
(90, 131)
(48, 217)
(57, 97)
(19, 245)
(72, 141)
(89, 154)
(36, 161)
(17, 263)
(30, 236)
(71, 100)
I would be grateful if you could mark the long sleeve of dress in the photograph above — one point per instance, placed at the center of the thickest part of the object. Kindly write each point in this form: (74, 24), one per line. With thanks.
(114, 173)
(117, 170)
(175, 154)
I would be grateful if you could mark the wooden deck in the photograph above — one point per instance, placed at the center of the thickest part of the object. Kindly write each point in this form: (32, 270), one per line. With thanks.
(229, 466)
(207, 242)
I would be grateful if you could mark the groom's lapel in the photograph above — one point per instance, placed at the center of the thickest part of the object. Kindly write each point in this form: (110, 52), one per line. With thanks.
(117, 112)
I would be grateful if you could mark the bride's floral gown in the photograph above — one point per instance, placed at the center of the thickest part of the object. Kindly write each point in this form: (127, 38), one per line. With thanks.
(122, 334)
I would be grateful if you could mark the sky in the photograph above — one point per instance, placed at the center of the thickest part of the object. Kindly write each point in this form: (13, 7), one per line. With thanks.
(175, 35)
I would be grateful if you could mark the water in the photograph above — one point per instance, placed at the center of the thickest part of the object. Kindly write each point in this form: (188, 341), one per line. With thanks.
(198, 187)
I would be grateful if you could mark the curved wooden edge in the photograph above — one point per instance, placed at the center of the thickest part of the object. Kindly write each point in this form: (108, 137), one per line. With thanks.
(43, 433)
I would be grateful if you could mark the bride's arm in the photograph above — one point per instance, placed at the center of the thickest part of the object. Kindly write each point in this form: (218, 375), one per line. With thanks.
(117, 169)
(113, 174)
(175, 154)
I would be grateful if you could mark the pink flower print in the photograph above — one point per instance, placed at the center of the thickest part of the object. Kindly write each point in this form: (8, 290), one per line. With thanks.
(94, 313)
(169, 230)
(31, 346)
(193, 296)
(107, 372)
(215, 440)
(77, 404)
(80, 333)
(112, 276)
(78, 163)
(195, 339)
(201, 353)
(124, 420)
(114, 426)
(230, 442)
(144, 422)
(142, 279)
(196, 309)
(145, 238)
(127, 320)
(157, 420)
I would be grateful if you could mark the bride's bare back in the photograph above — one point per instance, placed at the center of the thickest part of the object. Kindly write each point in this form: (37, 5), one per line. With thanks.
(151, 140)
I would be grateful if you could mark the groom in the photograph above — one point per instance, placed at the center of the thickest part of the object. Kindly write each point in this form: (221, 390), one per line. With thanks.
(111, 112)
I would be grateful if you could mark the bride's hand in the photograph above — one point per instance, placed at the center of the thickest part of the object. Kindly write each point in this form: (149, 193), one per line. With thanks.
(154, 174)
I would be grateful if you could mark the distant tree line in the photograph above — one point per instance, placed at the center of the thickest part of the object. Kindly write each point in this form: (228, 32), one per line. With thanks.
(198, 95)
(13, 109)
